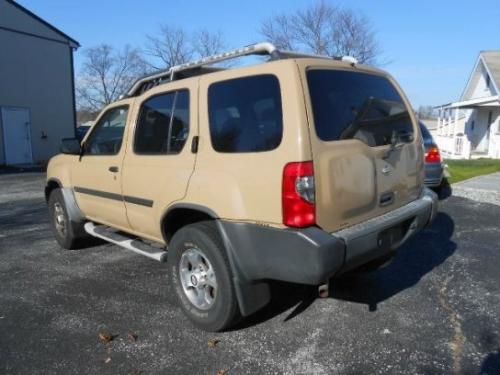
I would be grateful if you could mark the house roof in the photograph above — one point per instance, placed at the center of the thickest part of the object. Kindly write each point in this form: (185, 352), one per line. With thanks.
(492, 63)
(491, 101)
(45, 23)
(488, 61)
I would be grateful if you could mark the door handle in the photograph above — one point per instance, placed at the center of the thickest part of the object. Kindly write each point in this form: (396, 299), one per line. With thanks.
(113, 169)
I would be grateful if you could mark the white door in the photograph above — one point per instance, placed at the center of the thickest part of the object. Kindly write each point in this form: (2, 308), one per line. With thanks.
(16, 135)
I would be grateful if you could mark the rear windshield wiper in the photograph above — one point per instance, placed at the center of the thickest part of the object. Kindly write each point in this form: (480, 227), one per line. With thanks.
(398, 140)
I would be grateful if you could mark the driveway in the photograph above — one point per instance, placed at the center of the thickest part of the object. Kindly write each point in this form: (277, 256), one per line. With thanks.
(481, 188)
(435, 309)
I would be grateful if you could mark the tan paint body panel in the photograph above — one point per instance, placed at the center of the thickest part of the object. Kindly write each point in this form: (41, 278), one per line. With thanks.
(92, 172)
(348, 173)
(160, 178)
(246, 186)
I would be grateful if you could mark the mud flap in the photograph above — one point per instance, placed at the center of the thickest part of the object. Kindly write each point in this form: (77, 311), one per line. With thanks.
(75, 215)
(252, 296)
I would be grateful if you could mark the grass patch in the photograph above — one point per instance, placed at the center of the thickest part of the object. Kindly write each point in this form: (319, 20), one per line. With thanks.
(463, 169)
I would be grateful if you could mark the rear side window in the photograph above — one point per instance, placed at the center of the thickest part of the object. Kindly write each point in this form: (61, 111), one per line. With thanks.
(163, 124)
(245, 114)
(353, 105)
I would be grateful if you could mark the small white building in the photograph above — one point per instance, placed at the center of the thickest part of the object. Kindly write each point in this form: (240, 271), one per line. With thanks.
(470, 127)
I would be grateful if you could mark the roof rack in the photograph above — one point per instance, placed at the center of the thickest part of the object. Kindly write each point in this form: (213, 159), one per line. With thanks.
(198, 67)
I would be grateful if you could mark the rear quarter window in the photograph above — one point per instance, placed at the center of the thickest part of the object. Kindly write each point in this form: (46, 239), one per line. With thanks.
(355, 105)
(245, 114)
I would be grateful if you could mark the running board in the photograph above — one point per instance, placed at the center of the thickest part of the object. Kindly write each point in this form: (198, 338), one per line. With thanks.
(130, 243)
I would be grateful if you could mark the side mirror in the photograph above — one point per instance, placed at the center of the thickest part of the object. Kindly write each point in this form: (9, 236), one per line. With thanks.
(71, 146)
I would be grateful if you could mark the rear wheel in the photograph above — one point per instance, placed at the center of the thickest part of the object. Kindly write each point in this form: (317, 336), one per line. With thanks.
(201, 277)
(64, 231)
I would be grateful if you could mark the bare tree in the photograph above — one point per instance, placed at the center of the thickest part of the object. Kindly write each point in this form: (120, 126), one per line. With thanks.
(206, 43)
(170, 47)
(173, 46)
(324, 29)
(279, 31)
(85, 114)
(106, 74)
(313, 27)
(426, 112)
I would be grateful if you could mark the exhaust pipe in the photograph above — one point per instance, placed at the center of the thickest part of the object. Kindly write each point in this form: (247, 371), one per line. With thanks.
(324, 290)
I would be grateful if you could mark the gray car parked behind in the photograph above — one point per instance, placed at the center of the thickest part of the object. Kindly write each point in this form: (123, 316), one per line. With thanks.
(433, 161)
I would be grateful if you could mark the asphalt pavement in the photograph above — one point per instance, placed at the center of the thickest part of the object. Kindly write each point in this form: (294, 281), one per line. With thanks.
(435, 309)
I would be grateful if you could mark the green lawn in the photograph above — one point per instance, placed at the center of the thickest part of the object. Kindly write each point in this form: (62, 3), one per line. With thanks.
(463, 169)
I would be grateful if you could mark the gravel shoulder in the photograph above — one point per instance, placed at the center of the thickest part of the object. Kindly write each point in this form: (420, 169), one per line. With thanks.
(484, 189)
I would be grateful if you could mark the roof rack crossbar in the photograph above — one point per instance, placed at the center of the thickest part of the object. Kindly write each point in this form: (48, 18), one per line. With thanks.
(264, 48)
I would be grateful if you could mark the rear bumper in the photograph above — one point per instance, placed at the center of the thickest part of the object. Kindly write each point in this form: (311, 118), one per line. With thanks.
(433, 174)
(311, 255)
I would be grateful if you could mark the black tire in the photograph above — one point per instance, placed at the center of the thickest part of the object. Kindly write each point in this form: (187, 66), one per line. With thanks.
(204, 238)
(68, 238)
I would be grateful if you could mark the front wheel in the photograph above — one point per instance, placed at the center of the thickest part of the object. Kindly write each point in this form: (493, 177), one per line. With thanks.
(201, 277)
(65, 232)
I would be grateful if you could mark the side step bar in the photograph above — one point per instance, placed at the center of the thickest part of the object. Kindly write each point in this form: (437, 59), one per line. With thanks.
(130, 243)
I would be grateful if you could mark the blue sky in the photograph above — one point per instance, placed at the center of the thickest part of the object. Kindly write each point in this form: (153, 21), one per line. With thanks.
(429, 46)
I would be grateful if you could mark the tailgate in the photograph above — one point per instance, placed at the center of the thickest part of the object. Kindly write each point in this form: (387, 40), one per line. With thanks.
(366, 149)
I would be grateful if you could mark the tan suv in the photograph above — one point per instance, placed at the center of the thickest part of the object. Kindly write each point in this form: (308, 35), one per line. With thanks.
(296, 169)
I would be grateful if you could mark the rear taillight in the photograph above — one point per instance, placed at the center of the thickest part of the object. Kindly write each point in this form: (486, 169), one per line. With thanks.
(432, 155)
(298, 195)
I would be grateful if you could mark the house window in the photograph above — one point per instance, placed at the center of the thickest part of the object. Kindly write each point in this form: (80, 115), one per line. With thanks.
(488, 81)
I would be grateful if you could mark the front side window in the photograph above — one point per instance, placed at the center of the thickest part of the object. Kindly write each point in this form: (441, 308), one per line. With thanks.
(163, 124)
(355, 105)
(107, 135)
(245, 114)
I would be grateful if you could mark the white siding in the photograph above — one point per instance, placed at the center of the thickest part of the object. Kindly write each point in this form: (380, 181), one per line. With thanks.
(37, 74)
(473, 123)
(478, 136)
(494, 147)
(481, 90)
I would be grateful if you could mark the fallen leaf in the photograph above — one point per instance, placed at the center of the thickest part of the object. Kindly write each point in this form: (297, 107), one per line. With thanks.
(222, 372)
(132, 336)
(105, 336)
(213, 343)
(107, 360)
(136, 372)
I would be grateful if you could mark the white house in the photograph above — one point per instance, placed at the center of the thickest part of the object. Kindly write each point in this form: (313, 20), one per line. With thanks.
(37, 103)
(470, 127)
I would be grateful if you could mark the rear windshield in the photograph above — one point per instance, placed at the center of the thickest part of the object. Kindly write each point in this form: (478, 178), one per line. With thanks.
(353, 105)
